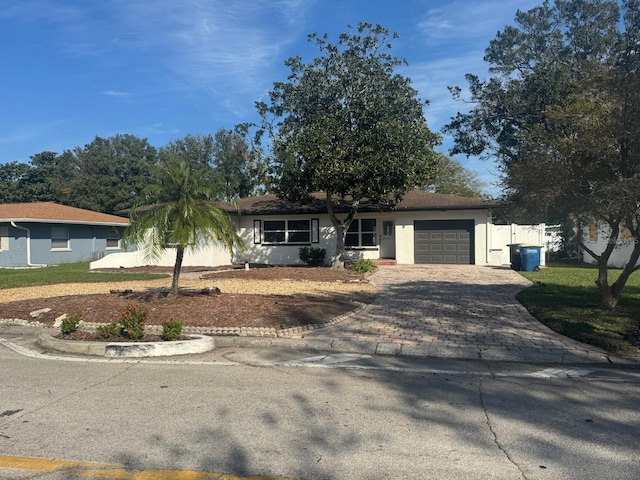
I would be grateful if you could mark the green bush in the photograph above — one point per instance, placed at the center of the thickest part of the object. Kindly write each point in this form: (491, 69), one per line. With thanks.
(132, 321)
(70, 324)
(313, 257)
(109, 331)
(362, 266)
(172, 329)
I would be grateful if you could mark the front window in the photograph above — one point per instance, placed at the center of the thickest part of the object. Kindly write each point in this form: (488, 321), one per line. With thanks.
(113, 238)
(4, 238)
(59, 238)
(286, 231)
(361, 233)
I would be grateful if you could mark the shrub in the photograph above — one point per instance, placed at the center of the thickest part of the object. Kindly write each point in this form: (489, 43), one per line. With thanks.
(70, 324)
(363, 266)
(172, 329)
(109, 331)
(132, 321)
(313, 257)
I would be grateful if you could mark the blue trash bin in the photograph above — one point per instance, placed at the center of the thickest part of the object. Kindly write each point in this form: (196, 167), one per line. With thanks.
(530, 257)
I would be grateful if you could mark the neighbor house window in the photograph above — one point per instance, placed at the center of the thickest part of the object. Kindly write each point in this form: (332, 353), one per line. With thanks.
(286, 231)
(361, 233)
(4, 238)
(59, 238)
(113, 238)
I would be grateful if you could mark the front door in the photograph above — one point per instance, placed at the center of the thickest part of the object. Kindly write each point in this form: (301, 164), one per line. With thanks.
(388, 240)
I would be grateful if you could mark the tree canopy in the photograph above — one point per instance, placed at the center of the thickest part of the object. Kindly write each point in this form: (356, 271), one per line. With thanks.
(451, 178)
(177, 211)
(561, 114)
(106, 175)
(348, 124)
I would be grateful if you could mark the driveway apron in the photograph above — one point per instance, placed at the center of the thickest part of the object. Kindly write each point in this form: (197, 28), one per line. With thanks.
(455, 311)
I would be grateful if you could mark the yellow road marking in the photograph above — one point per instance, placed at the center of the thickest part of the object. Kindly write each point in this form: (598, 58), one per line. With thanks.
(104, 470)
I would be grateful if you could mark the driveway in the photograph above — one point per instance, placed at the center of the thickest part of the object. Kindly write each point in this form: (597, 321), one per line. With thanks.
(456, 311)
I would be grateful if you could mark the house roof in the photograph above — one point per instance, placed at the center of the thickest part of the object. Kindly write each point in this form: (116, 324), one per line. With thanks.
(49, 212)
(413, 200)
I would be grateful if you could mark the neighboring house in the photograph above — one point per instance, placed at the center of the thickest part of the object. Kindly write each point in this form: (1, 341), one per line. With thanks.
(45, 233)
(595, 237)
(423, 228)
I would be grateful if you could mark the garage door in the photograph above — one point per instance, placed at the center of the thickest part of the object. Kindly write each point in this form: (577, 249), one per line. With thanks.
(443, 241)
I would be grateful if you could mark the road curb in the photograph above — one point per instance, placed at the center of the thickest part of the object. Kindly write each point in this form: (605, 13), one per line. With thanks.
(196, 344)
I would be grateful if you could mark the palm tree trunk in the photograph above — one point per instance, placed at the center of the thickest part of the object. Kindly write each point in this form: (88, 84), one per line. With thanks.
(176, 271)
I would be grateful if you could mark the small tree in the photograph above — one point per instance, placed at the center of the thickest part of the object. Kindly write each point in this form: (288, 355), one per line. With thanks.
(177, 212)
(346, 124)
(560, 114)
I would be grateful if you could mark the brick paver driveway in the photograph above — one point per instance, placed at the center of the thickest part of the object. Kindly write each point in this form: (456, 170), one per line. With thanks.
(456, 311)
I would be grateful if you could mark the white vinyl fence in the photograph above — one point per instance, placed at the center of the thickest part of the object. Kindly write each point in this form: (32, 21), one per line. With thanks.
(500, 236)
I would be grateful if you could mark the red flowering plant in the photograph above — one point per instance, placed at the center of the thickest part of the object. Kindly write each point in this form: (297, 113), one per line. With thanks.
(132, 320)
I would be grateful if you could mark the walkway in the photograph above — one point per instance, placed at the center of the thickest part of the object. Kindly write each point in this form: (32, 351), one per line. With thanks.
(455, 311)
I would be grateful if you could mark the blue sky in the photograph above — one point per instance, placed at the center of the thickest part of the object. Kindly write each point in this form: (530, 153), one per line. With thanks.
(163, 69)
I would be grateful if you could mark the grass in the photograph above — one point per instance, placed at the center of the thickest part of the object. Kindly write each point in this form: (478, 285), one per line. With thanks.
(566, 299)
(65, 273)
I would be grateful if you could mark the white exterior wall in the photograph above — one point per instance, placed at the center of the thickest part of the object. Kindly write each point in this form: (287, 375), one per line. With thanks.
(405, 253)
(281, 254)
(289, 254)
(619, 256)
(208, 257)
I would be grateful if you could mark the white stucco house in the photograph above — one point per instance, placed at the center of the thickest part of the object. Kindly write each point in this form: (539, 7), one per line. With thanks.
(595, 237)
(423, 228)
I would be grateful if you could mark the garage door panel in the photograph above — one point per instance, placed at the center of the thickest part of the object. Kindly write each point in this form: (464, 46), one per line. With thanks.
(443, 241)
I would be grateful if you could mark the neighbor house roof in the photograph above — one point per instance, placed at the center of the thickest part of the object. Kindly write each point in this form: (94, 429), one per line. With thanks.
(49, 212)
(412, 200)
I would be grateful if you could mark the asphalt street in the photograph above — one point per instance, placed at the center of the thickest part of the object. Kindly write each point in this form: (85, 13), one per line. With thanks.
(306, 415)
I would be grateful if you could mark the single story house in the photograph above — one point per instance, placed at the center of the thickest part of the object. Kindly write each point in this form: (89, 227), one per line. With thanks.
(423, 228)
(595, 237)
(45, 233)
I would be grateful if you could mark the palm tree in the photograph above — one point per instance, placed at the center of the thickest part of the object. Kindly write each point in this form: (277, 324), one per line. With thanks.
(177, 211)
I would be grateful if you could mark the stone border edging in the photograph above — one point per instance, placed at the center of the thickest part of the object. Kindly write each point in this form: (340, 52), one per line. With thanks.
(269, 332)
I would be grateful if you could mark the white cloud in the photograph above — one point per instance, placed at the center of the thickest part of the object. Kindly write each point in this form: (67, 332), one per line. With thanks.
(115, 93)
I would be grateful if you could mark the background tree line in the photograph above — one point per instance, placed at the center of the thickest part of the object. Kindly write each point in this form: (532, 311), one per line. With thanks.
(109, 174)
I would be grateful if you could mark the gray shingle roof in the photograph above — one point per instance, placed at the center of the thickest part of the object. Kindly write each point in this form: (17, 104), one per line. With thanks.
(412, 200)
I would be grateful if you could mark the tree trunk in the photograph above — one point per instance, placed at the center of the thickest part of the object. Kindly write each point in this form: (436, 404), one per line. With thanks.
(629, 268)
(176, 271)
(607, 299)
(337, 261)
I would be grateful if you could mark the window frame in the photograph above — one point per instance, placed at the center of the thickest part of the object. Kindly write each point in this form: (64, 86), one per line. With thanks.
(283, 230)
(58, 237)
(117, 238)
(4, 238)
(355, 230)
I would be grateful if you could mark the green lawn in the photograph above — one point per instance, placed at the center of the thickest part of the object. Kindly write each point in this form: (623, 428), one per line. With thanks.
(566, 299)
(65, 273)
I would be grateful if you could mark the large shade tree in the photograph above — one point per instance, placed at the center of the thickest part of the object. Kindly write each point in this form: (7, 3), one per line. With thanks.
(561, 113)
(452, 178)
(106, 175)
(349, 125)
(239, 164)
(177, 211)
